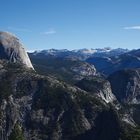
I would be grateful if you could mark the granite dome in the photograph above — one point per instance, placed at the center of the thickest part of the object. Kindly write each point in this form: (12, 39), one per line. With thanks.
(12, 50)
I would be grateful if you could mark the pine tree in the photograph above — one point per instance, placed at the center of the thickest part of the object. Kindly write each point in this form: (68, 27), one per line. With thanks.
(17, 133)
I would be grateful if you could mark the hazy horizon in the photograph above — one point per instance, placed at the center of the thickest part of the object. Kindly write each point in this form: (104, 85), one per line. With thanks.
(72, 24)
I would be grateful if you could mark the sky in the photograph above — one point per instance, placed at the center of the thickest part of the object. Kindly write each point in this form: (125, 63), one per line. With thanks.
(72, 24)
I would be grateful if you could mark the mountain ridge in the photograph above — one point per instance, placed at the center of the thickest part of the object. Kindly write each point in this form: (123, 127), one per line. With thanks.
(81, 54)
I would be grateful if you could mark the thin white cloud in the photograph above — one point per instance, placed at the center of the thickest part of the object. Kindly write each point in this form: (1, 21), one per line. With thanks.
(19, 29)
(132, 28)
(49, 32)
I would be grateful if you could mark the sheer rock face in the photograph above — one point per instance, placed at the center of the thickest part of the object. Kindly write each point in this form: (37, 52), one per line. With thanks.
(12, 50)
(98, 86)
(126, 85)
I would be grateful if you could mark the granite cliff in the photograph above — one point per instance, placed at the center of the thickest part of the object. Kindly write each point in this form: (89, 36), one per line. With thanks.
(12, 50)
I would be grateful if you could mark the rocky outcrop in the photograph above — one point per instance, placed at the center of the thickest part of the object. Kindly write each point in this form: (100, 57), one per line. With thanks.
(126, 85)
(12, 50)
(83, 70)
(98, 86)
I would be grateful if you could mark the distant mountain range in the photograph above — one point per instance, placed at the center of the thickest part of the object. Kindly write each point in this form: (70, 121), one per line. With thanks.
(106, 60)
(82, 54)
(69, 65)
(108, 65)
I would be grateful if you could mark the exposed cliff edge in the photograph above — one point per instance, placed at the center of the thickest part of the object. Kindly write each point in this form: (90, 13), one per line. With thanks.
(125, 85)
(12, 50)
(99, 86)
